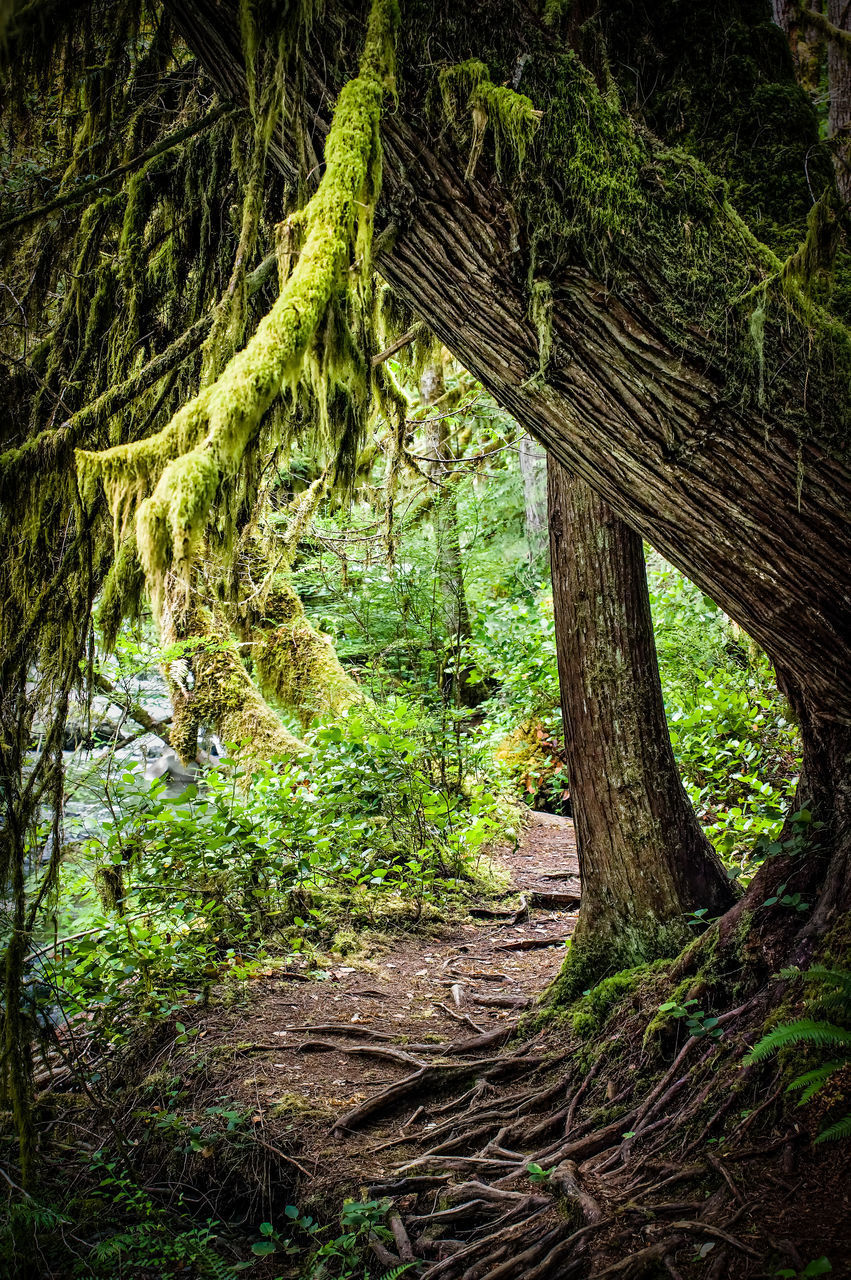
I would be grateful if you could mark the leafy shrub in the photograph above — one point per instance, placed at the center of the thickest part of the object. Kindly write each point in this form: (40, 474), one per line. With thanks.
(192, 889)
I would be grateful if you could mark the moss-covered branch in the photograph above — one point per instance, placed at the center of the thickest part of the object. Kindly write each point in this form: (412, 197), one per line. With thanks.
(294, 663)
(810, 17)
(47, 447)
(170, 482)
(223, 695)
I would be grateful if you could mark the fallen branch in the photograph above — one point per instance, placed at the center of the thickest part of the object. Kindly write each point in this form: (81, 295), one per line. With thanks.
(531, 944)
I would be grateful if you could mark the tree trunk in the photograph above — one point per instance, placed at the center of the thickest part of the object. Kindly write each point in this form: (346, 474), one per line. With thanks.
(533, 469)
(454, 671)
(639, 398)
(839, 85)
(216, 690)
(643, 858)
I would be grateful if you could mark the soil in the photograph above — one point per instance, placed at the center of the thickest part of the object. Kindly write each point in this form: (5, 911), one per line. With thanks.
(277, 1056)
(423, 1027)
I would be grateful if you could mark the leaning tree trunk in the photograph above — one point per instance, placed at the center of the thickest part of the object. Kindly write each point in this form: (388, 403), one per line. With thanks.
(644, 395)
(682, 371)
(643, 858)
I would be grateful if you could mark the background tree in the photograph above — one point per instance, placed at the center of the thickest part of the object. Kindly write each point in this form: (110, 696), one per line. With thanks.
(643, 858)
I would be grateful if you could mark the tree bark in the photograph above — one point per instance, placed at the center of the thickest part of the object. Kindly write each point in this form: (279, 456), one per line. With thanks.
(454, 671)
(643, 858)
(751, 503)
(839, 85)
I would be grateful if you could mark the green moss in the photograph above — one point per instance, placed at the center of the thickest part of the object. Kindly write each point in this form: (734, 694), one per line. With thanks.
(590, 962)
(225, 698)
(204, 445)
(589, 1013)
(345, 941)
(297, 1106)
(511, 116)
(294, 663)
(734, 103)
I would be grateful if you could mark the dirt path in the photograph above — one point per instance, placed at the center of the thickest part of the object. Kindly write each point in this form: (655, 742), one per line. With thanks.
(393, 1077)
(303, 1054)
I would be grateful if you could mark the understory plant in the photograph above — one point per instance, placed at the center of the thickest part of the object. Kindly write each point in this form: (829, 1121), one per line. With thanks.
(175, 894)
(825, 1038)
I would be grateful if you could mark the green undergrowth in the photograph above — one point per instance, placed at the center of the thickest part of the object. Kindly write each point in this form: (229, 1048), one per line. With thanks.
(354, 840)
(111, 1225)
(809, 1035)
(734, 738)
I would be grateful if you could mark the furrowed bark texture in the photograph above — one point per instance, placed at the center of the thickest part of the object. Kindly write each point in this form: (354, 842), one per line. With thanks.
(735, 498)
(839, 86)
(643, 857)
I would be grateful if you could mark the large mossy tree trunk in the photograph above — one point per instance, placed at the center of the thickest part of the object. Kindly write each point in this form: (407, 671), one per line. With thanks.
(643, 858)
(216, 692)
(652, 392)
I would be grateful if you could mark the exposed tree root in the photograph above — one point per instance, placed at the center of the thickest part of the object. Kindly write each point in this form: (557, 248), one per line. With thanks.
(604, 1187)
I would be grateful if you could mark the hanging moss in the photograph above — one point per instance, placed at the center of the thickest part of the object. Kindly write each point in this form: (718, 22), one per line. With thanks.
(511, 116)
(222, 422)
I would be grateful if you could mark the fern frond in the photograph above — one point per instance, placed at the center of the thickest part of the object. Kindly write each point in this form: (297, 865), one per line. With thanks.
(842, 1129)
(838, 977)
(833, 1002)
(804, 1031)
(398, 1271)
(213, 1266)
(817, 1076)
(817, 1079)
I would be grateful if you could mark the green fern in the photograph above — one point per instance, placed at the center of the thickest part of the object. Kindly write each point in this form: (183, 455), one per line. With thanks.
(812, 1081)
(397, 1271)
(804, 1031)
(835, 997)
(841, 1129)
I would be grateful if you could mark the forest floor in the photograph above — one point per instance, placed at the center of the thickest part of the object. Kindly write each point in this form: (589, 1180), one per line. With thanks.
(302, 1053)
(396, 1073)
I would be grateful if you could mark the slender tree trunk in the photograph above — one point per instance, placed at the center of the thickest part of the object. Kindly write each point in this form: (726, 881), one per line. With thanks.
(839, 85)
(643, 858)
(450, 568)
(533, 468)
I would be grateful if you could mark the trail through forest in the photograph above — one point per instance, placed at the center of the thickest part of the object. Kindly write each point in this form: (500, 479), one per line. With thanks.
(305, 1053)
(392, 1077)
